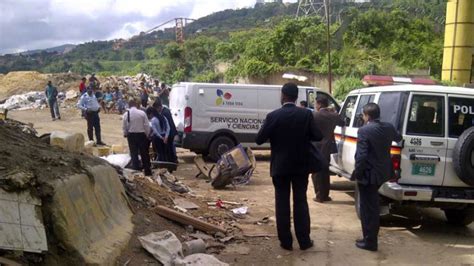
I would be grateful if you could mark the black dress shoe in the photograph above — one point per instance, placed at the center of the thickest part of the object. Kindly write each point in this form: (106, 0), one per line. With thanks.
(361, 240)
(322, 200)
(286, 247)
(310, 245)
(364, 245)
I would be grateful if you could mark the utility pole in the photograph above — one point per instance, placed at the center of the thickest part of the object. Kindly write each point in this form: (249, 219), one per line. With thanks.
(327, 7)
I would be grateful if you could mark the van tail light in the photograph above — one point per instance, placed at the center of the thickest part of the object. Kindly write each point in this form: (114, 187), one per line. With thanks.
(188, 120)
(396, 160)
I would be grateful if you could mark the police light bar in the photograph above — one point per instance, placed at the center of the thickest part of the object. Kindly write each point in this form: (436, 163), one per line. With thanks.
(374, 80)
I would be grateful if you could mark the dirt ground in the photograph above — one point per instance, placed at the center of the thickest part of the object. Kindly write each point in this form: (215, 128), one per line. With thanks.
(418, 237)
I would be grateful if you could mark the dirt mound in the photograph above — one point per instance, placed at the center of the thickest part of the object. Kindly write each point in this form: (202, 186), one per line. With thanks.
(18, 82)
(27, 162)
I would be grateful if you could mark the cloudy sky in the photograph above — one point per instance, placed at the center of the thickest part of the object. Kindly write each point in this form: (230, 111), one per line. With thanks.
(38, 24)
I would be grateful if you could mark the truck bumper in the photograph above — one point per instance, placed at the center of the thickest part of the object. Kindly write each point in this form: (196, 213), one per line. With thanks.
(400, 192)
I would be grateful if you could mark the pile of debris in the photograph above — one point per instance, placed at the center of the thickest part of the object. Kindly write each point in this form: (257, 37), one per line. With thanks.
(19, 82)
(68, 93)
(42, 198)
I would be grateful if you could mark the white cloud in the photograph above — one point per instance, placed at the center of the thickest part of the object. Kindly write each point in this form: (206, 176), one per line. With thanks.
(37, 24)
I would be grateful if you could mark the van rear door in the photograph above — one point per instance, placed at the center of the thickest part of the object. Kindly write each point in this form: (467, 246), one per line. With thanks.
(178, 102)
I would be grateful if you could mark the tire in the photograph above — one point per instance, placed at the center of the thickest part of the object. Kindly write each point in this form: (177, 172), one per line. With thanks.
(216, 143)
(463, 157)
(459, 217)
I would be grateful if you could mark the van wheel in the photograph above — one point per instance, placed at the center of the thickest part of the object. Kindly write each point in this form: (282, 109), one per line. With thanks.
(220, 143)
(463, 157)
(459, 217)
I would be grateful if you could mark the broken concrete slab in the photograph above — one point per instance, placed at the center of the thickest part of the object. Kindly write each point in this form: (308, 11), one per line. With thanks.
(185, 204)
(21, 222)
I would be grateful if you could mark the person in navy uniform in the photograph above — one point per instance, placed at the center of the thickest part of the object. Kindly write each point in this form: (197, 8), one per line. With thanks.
(290, 130)
(373, 167)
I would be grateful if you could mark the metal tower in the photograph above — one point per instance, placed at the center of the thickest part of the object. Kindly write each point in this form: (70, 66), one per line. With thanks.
(179, 30)
(310, 8)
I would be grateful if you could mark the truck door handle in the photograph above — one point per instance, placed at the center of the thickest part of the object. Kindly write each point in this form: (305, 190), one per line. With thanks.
(425, 157)
(437, 143)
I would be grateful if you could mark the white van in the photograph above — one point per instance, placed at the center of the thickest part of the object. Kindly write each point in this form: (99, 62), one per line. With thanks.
(210, 115)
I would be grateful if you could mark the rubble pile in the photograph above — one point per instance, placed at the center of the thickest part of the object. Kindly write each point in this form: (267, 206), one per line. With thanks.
(19, 82)
(50, 178)
(67, 85)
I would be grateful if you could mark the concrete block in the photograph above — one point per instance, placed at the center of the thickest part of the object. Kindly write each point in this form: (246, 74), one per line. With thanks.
(30, 215)
(91, 215)
(34, 238)
(10, 212)
(10, 236)
(69, 141)
(21, 222)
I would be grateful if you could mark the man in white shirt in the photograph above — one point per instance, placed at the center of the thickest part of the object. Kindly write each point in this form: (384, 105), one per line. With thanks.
(90, 106)
(136, 128)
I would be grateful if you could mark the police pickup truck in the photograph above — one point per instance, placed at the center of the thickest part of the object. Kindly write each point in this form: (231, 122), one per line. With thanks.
(434, 163)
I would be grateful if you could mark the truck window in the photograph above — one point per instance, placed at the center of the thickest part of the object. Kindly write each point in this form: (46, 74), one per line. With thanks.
(426, 116)
(364, 99)
(332, 103)
(392, 106)
(461, 115)
(348, 109)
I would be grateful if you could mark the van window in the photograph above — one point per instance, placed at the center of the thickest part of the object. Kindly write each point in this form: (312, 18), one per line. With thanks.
(310, 98)
(392, 108)
(364, 99)
(332, 103)
(348, 109)
(426, 116)
(461, 115)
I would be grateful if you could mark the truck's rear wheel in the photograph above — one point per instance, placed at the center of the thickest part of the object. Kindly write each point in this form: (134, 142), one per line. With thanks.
(459, 217)
(463, 156)
(224, 142)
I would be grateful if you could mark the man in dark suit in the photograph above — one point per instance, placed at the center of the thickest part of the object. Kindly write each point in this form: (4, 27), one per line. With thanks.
(290, 130)
(326, 121)
(373, 167)
(171, 148)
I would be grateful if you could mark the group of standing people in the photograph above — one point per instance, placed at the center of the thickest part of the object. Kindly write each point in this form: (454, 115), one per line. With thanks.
(152, 125)
(292, 131)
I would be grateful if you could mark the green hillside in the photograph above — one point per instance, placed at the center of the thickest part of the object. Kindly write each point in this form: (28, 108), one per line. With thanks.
(382, 37)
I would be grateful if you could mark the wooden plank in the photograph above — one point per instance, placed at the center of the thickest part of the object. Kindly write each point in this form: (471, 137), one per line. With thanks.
(188, 220)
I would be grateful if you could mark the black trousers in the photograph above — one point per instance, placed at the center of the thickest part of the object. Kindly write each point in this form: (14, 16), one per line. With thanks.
(301, 219)
(93, 122)
(321, 182)
(160, 149)
(370, 212)
(138, 144)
